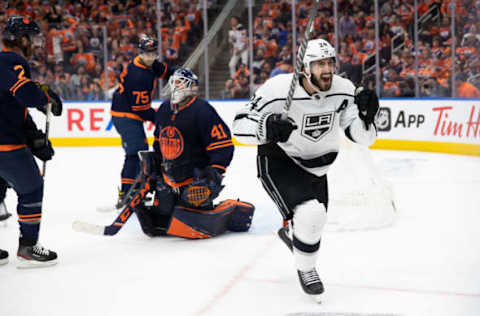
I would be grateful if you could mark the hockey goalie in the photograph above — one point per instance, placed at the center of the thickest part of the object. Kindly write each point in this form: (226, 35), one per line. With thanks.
(192, 149)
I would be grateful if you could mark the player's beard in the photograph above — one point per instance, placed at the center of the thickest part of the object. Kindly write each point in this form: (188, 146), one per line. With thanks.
(322, 84)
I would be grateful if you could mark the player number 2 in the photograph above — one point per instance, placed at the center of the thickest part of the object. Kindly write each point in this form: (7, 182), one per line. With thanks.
(218, 132)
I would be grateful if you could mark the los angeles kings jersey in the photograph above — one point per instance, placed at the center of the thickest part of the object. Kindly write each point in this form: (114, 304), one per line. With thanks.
(314, 145)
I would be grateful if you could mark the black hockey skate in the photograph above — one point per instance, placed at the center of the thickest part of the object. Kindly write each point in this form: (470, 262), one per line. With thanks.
(35, 256)
(311, 283)
(284, 234)
(3, 257)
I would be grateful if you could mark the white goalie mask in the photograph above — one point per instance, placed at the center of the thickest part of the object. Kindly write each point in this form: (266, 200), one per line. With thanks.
(183, 84)
(317, 49)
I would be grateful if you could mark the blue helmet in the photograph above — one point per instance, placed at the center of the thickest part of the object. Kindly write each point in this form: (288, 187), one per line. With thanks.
(148, 44)
(183, 83)
(19, 26)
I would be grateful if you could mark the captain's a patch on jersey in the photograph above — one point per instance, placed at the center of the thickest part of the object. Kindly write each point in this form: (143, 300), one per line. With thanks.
(317, 125)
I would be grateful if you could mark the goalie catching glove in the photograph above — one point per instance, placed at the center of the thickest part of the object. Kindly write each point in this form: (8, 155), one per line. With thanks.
(206, 186)
(367, 103)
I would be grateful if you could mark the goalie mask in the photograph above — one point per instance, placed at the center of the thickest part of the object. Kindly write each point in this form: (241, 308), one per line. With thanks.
(317, 50)
(183, 84)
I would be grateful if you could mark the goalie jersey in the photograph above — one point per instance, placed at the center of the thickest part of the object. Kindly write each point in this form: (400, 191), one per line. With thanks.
(314, 145)
(189, 137)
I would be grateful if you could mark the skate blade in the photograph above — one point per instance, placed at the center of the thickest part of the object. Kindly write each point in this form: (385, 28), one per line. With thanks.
(318, 298)
(33, 264)
(3, 261)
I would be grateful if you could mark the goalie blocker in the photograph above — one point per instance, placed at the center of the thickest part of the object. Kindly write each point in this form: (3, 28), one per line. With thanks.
(189, 212)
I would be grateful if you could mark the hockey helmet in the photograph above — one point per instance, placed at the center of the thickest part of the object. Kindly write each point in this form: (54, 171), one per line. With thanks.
(18, 26)
(148, 44)
(183, 83)
(317, 49)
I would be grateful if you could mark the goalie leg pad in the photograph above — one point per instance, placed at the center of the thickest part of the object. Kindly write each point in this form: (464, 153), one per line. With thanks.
(194, 223)
(241, 217)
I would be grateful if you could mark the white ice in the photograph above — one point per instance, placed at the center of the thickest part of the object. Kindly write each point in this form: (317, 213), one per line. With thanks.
(427, 263)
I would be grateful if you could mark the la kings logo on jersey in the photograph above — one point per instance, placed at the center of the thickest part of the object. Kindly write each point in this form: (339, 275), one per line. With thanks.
(317, 125)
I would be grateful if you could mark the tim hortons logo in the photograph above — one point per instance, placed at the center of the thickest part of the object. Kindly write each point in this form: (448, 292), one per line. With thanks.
(446, 127)
(384, 119)
(317, 125)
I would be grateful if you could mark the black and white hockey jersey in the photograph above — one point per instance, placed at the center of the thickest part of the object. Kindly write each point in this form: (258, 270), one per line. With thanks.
(314, 145)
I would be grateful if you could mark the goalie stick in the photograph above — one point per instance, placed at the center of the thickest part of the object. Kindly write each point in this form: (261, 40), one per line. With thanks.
(129, 208)
(300, 54)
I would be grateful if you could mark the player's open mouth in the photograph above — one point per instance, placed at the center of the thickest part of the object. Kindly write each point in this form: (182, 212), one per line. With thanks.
(325, 79)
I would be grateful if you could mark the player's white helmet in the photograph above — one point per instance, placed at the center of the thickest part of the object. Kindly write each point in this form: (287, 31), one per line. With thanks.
(317, 49)
(183, 84)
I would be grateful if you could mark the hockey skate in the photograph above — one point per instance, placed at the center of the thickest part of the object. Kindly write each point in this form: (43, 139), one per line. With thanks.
(35, 256)
(3, 257)
(311, 283)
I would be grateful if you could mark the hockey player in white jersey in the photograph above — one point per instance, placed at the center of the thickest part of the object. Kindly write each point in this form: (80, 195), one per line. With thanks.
(295, 154)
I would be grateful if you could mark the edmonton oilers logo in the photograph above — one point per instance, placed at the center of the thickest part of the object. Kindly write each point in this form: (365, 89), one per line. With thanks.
(171, 142)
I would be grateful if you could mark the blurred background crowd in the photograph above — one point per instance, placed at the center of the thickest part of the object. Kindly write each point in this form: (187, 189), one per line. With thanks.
(88, 42)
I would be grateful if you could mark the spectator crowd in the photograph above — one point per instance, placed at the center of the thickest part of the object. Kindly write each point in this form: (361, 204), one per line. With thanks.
(88, 43)
(272, 32)
(76, 33)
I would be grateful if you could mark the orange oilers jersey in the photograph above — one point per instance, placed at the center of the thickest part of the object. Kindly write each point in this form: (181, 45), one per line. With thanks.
(17, 92)
(193, 136)
(137, 83)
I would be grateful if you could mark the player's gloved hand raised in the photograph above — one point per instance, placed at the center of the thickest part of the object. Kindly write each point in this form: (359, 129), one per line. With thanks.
(39, 145)
(53, 98)
(279, 130)
(367, 103)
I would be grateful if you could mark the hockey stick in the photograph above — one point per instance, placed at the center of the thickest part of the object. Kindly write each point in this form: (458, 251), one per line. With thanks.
(48, 117)
(112, 229)
(300, 55)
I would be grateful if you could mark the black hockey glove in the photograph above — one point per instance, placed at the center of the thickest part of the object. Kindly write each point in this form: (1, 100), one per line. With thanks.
(206, 186)
(150, 163)
(279, 130)
(53, 98)
(39, 146)
(367, 103)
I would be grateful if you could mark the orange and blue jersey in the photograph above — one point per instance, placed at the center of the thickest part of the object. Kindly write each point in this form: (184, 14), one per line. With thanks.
(188, 137)
(17, 92)
(133, 98)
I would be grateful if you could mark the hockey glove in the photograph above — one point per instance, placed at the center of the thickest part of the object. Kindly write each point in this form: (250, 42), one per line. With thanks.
(206, 186)
(53, 98)
(279, 130)
(367, 103)
(150, 163)
(39, 146)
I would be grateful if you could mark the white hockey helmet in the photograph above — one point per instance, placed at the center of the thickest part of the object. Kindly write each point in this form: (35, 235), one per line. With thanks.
(317, 49)
(183, 84)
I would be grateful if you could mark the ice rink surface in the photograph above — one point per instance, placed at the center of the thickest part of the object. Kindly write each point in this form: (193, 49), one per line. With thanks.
(427, 263)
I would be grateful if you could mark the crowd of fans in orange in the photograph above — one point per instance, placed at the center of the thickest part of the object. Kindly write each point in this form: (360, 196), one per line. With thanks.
(72, 59)
(356, 42)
